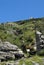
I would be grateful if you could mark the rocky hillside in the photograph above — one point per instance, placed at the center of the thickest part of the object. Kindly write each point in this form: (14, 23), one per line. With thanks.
(21, 32)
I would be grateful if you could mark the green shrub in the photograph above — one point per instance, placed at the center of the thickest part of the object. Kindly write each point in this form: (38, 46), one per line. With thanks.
(41, 53)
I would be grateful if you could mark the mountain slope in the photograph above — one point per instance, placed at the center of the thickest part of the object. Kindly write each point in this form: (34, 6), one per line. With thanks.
(21, 32)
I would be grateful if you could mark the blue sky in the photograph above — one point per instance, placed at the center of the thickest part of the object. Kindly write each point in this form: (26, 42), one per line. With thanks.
(14, 10)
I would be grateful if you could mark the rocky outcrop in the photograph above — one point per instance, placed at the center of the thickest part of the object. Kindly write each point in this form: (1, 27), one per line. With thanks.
(9, 51)
(8, 46)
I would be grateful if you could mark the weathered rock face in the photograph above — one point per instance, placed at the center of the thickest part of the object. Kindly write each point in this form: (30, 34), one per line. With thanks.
(8, 46)
(9, 51)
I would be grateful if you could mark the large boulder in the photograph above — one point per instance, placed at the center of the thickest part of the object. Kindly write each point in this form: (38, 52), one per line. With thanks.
(8, 46)
(10, 51)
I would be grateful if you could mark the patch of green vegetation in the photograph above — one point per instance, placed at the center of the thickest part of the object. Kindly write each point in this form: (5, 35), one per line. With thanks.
(29, 61)
(2, 63)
